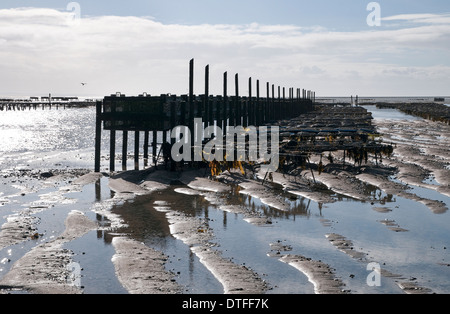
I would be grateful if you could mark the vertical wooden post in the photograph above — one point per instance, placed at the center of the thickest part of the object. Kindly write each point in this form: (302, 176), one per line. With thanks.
(258, 106)
(146, 144)
(288, 104)
(112, 139)
(206, 100)
(294, 101)
(289, 107)
(154, 145)
(191, 104)
(173, 124)
(237, 120)
(272, 104)
(225, 100)
(98, 135)
(278, 109)
(251, 112)
(112, 150)
(267, 104)
(164, 141)
(136, 150)
(124, 150)
(191, 85)
(218, 103)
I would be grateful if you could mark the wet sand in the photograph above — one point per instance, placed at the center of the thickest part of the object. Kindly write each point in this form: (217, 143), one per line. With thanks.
(133, 260)
(318, 273)
(44, 268)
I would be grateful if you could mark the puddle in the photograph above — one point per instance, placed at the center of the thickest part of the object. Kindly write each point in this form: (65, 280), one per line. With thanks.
(424, 192)
(431, 180)
(93, 254)
(10, 255)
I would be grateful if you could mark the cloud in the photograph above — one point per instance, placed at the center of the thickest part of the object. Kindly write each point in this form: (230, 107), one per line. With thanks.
(41, 52)
(443, 18)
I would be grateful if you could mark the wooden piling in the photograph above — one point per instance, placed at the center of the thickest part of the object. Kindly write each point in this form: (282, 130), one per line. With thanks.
(237, 104)
(136, 150)
(258, 108)
(267, 103)
(206, 104)
(251, 113)
(277, 104)
(146, 146)
(98, 136)
(225, 100)
(112, 147)
(124, 149)
(154, 146)
(191, 102)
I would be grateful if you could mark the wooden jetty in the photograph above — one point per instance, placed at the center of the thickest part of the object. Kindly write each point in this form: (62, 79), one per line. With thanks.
(306, 128)
(44, 102)
(146, 113)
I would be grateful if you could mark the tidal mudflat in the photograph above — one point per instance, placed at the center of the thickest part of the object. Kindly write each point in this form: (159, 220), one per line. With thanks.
(376, 228)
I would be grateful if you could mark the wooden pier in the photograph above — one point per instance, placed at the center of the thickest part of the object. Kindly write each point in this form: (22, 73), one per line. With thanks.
(305, 127)
(146, 113)
(46, 102)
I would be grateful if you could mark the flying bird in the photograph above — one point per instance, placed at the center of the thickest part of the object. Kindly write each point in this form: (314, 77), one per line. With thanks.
(83, 84)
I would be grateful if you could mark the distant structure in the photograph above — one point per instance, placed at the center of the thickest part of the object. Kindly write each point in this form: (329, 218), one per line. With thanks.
(43, 102)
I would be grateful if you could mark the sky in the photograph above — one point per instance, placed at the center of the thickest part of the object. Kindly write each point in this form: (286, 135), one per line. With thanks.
(335, 48)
